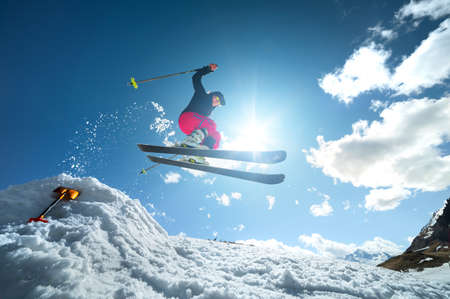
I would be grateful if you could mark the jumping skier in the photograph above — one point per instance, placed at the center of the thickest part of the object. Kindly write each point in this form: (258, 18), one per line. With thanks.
(194, 121)
(203, 140)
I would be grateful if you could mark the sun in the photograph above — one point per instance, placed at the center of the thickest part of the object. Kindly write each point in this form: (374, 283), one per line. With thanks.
(252, 137)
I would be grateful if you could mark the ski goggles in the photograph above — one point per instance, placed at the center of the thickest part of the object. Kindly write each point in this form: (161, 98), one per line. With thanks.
(216, 100)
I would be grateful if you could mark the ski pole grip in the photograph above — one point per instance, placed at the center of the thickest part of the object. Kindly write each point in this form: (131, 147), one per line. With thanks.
(133, 83)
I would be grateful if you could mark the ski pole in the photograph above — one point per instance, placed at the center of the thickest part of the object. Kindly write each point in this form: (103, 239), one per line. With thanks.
(135, 83)
(63, 192)
(144, 170)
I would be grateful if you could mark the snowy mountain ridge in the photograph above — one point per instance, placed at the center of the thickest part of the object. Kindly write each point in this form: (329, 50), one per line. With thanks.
(437, 229)
(362, 256)
(428, 230)
(430, 248)
(106, 245)
(436, 216)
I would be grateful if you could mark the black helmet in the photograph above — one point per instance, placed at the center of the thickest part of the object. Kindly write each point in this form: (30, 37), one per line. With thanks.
(221, 97)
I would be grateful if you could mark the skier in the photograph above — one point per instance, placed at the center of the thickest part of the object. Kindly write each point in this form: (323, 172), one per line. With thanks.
(203, 139)
(194, 121)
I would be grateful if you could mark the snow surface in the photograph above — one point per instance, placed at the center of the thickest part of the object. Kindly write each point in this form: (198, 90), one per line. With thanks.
(106, 245)
(422, 249)
(428, 229)
(441, 273)
(436, 215)
(428, 259)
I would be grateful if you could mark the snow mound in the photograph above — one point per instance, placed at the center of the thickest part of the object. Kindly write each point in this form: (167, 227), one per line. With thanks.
(106, 245)
(96, 246)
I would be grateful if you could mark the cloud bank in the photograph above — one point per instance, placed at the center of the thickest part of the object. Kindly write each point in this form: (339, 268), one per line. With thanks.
(367, 69)
(427, 66)
(402, 151)
(434, 9)
(335, 249)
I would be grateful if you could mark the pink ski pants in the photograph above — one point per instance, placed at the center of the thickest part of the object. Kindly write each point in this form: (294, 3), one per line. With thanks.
(190, 121)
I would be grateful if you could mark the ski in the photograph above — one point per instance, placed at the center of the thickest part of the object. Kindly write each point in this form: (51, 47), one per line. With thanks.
(250, 176)
(268, 157)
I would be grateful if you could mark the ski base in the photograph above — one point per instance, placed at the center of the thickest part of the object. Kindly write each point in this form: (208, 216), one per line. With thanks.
(268, 157)
(245, 175)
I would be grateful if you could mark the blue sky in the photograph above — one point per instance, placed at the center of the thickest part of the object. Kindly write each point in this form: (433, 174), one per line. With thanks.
(356, 93)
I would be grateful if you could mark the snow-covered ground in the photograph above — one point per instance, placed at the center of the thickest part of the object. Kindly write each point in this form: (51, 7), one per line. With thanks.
(441, 273)
(106, 245)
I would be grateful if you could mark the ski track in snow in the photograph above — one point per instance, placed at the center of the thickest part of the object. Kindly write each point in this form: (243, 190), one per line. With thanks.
(106, 245)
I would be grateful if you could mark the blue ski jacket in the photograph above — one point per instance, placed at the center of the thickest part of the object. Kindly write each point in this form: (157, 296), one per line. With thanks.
(201, 101)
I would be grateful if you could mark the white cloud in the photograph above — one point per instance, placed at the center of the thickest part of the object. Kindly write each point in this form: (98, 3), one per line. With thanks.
(312, 189)
(208, 215)
(172, 178)
(324, 209)
(427, 8)
(271, 200)
(385, 199)
(346, 204)
(387, 34)
(223, 200)
(195, 173)
(335, 249)
(297, 202)
(375, 105)
(209, 181)
(365, 70)
(379, 244)
(239, 228)
(427, 66)
(401, 150)
(327, 247)
(322, 195)
(236, 195)
(182, 235)
(273, 245)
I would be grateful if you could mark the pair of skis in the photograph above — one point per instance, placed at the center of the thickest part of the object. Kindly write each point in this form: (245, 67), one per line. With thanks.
(268, 157)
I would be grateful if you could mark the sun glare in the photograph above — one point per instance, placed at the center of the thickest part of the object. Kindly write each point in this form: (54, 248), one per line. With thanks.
(251, 137)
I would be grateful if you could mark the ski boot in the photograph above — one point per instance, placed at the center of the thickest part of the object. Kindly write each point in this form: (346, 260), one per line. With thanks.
(195, 160)
(195, 139)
